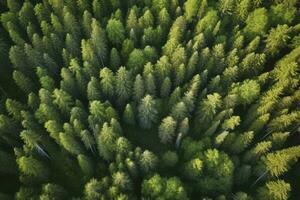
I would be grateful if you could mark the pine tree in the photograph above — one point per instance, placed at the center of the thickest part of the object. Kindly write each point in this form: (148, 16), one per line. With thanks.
(53, 191)
(106, 142)
(34, 168)
(191, 8)
(115, 31)
(93, 189)
(128, 115)
(98, 40)
(257, 22)
(179, 111)
(107, 82)
(193, 169)
(150, 85)
(70, 143)
(277, 38)
(278, 190)
(242, 142)
(23, 82)
(166, 130)
(146, 20)
(93, 89)
(208, 107)
(136, 60)
(121, 181)
(279, 162)
(138, 88)
(71, 25)
(148, 161)
(115, 60)
(231, 123)
(165, 88)
(88, 53)
(123, 85)
(63, 100)
(147, 112)
(86, 166)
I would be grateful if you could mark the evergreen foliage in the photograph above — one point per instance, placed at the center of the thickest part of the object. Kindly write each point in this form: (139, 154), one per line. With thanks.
(150, 100)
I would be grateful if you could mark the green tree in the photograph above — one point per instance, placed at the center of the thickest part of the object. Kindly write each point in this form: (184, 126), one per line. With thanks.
(279, 162)
(23, 82)
(148, 161)
(241, 142)
(220, 169)
(106, 142)
(98, 40)
(123, 85)
(128, 115)
(63, 100)
(121, 180)
(136, 60)
(33, 168)
(115, 31)
(115, 60)
(166, 130)
(93, 89)
(107, 82)
(277, 39)
(193, 169)
(191, 8)
(70, 143)
(53, 191)
(165, 88)
(256, 23)
(71, 25)
(208, 107)
(138, 88)
(179, 111)
(275, 190)
(231, 123)
(93, 189)
(147, 112)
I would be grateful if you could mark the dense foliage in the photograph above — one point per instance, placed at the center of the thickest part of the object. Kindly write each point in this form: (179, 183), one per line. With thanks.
(150, 100)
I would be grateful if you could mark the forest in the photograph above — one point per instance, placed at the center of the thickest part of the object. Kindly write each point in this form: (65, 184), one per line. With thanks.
(149, 99)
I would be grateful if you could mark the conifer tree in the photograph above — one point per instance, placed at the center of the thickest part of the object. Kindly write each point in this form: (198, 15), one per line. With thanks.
(257, 22)
(70, 143)
(153, 99)
(138, 88)
(107, 82)
(147, 112)
(106, 142)
(278, 190)
(115, 31)
(98, 40)
(166, 130)
(123, 85)
(34, 168)
(277, 38)
(128, 115)
(148, 161)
